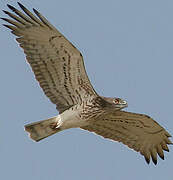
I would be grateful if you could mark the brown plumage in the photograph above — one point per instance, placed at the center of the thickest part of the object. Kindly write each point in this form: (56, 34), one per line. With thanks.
(59, 68)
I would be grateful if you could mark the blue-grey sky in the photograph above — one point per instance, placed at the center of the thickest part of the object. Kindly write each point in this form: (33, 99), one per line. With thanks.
(128, 52)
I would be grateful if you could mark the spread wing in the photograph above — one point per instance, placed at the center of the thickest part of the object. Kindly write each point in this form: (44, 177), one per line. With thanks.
(137, 131)
(57, 64)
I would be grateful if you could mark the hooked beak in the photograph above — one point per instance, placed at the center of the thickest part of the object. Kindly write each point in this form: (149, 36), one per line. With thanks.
(124, 103)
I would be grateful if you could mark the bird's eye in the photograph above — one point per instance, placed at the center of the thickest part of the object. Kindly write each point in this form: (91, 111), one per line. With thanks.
(116, 101)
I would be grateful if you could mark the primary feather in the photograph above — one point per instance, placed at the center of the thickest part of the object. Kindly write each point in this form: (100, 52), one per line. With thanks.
(59, 68)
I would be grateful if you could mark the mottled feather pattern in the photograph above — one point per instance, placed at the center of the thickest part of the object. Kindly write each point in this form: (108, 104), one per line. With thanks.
(59, 68)
(57, 64)
(137, 131)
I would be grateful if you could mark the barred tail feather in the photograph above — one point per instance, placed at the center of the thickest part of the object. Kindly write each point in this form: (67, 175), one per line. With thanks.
(42, 129)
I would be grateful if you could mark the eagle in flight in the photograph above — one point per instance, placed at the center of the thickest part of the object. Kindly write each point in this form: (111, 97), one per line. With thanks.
(59, 68)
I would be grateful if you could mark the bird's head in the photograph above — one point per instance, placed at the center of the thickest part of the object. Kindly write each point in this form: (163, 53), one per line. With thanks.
(116, 103)
(119, 103)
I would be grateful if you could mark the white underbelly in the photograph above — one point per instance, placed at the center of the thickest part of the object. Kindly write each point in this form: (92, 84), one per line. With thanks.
(71, 119)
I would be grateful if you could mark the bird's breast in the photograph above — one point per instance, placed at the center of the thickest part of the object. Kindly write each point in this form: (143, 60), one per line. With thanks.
(80, 115)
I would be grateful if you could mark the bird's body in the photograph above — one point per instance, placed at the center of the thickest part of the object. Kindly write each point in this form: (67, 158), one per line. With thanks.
(80, 115)
(59, 68)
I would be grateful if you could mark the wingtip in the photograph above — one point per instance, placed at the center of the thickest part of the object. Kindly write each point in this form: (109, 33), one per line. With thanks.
(147, 160)
(4, 19)
(168, 141)
(11, 7)
(162, 157)
(6, 25)
(36, 12)
(21, 5)
(154, 160)
(6, 12)
(167, 134)
(166, 150)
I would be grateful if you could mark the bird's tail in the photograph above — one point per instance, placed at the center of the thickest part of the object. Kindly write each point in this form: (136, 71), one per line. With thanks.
(42, 129)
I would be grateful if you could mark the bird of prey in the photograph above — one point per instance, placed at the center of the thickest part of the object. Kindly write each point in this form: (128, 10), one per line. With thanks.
(59, 68)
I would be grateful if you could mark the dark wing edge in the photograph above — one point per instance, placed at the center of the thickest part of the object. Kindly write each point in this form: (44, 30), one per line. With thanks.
(138, 131)
(46, 66)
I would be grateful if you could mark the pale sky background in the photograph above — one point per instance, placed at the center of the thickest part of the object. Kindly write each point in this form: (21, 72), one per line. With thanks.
(128, 50)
